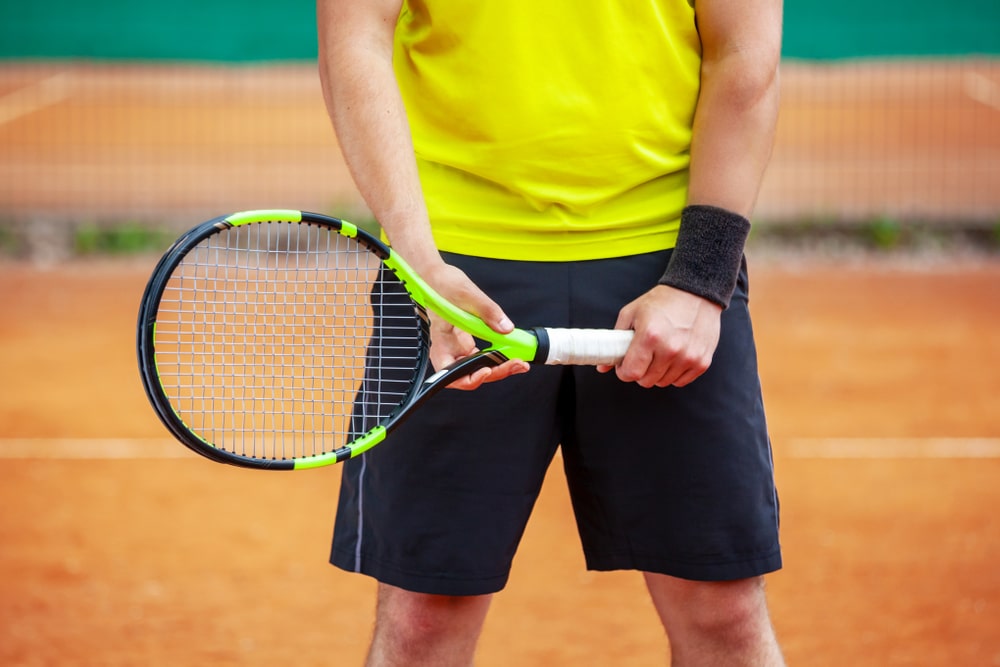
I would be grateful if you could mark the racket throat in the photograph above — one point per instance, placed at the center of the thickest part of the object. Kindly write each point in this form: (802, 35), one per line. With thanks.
(463, 367)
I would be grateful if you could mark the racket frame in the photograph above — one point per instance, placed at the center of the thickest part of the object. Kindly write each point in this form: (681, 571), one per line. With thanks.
(518, 344)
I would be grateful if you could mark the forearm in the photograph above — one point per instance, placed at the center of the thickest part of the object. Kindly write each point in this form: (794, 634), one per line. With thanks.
(368, 116)
(733, 133)
(734, 130)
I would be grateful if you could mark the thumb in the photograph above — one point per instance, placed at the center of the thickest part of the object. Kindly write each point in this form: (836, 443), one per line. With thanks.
(469, 297)
(489, 311)
(494, 316)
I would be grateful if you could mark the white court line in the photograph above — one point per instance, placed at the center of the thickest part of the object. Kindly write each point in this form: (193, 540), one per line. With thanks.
(92, 448)
(892, 448)
(797, 448)
(29, 99)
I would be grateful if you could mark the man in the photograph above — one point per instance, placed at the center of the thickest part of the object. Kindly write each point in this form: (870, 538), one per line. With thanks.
(568, 163)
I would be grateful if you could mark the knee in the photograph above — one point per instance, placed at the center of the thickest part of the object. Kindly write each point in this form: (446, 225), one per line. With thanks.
(423, 617)
(417, 621)
(732, 612)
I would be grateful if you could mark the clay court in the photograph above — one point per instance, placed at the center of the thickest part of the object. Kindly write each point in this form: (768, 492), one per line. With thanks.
(119, 547)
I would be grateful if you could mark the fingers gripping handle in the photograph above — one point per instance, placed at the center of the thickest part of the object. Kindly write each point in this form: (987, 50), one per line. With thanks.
(583, 347)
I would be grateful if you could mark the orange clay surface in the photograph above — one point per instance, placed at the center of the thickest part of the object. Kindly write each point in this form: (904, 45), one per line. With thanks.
(163, 558)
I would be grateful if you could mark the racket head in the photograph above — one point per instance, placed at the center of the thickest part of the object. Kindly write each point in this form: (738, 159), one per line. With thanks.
(279, 340)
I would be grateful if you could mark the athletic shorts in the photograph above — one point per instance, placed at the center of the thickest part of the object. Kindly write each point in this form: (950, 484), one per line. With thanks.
(677, 481)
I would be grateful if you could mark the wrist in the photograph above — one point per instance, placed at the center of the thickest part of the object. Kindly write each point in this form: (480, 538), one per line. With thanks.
(709, 252)
(415, 244)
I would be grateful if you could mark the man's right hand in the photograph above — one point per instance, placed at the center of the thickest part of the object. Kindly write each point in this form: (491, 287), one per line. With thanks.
(449, 344)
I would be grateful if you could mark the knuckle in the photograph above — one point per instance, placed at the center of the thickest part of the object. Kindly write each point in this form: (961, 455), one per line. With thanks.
(626, 374)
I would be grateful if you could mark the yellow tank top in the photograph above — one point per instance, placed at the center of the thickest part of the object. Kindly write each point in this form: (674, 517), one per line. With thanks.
(550, 129)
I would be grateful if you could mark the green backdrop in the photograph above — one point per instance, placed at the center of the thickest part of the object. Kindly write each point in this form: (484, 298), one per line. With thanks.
(232, 30)
(235, 30)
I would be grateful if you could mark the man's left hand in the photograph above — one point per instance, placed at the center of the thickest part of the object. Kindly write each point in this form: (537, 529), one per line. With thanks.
(676, 334)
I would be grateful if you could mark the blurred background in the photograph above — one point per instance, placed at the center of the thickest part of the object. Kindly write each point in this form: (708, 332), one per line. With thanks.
(114, 112)
(875, 258)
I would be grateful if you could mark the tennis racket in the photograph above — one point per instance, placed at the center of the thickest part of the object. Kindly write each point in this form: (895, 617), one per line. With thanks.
(290, 340)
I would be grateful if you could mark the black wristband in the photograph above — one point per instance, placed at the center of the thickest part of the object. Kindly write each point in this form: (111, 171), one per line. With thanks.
(709, 252)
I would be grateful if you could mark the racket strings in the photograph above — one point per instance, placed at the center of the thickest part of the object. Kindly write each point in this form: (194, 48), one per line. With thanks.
(285, 340)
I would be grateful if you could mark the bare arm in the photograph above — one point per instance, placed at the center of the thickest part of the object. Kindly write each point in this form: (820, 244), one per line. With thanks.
(368, 115)
(737, 111)
(734, 126)
(362, 98)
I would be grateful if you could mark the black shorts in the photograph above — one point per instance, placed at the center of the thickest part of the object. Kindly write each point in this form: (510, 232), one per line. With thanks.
(677, 481)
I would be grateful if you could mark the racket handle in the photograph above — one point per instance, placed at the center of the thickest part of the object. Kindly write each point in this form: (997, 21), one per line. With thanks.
(582, 347)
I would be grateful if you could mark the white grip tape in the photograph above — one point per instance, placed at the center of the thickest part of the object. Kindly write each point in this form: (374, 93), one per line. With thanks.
(587, 347)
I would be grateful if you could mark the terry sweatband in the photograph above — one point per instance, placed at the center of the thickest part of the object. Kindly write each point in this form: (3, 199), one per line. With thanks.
(706, 260)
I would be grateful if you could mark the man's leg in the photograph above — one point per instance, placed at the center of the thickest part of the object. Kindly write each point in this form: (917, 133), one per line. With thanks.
(442, 506)
(715, 623)
(414, 629)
